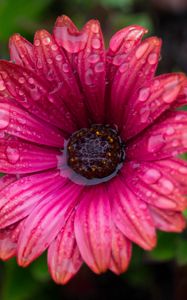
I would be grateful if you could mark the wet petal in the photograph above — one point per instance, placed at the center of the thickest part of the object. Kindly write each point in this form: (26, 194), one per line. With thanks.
(92, 70)
(21, 51)
(93, 229)
(33, 93)
(53, 65)
(167, 220)
(6, 180)
(19, 197)
(8, 240)
(64, 258)
(18, 122)
(166, 138)
(156, 184)
(45, 222)
(131, 75)
(131, 215)
(150, 101)
(121, 252)
(18, 156)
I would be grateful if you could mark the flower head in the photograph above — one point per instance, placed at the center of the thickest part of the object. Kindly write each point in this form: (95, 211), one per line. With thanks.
(89, 139)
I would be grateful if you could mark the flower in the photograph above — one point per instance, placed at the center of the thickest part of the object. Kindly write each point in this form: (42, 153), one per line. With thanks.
(89, 143)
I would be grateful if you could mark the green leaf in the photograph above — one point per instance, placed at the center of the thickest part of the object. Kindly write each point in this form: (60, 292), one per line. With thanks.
(39, 269)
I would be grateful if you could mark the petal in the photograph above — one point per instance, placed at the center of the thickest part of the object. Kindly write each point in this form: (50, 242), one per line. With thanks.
(18, 156)
(21, 51)
(93, 229)
(131, 215)
(8, 240)
(33, 93)
(64, 258)
(122, 44)
(167, 220)
(121, 252)
(52, 64)
(6, 180)
(92, 70)
(150, 101)
(131, 76)
(18, 122)
(45, 222)
(155, 184)
(164, 139)
(19, 198)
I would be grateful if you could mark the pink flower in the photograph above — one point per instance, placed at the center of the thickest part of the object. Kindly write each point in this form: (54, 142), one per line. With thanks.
(89, 139)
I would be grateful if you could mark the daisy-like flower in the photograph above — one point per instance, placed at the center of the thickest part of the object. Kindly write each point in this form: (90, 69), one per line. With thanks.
(89, 140)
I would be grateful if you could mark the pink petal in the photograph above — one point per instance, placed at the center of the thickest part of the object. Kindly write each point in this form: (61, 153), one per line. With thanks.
(121, 252)
(6, 180)
(19, 198)
(150, 101)
(154, 184)
(164, 139)
(18, 156)
(64, 258)
(131, 215)
(92, 70)
(52, 64)
(131, 76)
(167, 220)
(18, 122)
(21, 51)
(33, 93)
(93, 229)
(122, 44)
(8, 240)
(45, 222)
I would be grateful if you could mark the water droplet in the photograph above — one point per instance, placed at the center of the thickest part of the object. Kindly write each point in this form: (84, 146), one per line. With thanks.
(4, 118)
(152, 58)
(31, 80)
(167, 185)
(93, 58)
(183, 170)
(144, 114)
(95, 28)
(2, 86)
(12, 155)
(143, 94)
(37, 43)
(155, 143)
(46, 40)
(65, 68)
(54, 47)
(151, 176)
(123, 68)
(21, 80)
(141, 50)
(99, 67)
(96, 43)
(170, 130)
(89, 77)
(58, 57)
(49, 61)
(119, 59)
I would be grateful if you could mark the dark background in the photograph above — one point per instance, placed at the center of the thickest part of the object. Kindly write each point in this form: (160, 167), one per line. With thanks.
(157, 275)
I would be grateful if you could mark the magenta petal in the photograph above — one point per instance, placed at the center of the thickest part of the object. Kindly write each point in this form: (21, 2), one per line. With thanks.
(52, 64)
(21, 51)
(131, 215)
(45, 222)
(121, 252)
(6, 180)
(154, 184)
(167, 220)
(18, 122)
(164, 139)
(92, 70)
(18, 156)
(33, 93)
(150, 101)
(131, 76)
(93, 229)
(8, 240)
(64, 258)
(19, 198)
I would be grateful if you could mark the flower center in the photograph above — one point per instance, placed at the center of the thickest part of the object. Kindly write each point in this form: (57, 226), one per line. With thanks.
(96, 152)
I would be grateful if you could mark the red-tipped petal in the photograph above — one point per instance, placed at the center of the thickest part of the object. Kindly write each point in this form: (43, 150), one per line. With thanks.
(64, 258)
(93, 229)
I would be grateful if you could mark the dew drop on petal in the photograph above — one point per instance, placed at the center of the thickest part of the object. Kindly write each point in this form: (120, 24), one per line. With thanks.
(152, 58)
(65, 68)
(144, 114)
(170, 130)
(2, 86)
(93, 58)
(12, 154)
(96, 43)
(89, 77)
(124, 67)
(54, 47)
(99, 67)
(37, 43)
(151, 176)
(155, 143)
(46, 41)
(166, 185)
(143, 94)
(141, 50)
(4, 119)
(118, 59)
(58, 57)
(183, 170)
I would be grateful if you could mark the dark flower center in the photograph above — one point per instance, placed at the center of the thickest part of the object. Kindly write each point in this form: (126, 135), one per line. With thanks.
(96, 152)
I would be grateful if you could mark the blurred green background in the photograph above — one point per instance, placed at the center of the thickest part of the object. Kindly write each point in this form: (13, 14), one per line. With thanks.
(162, 273)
